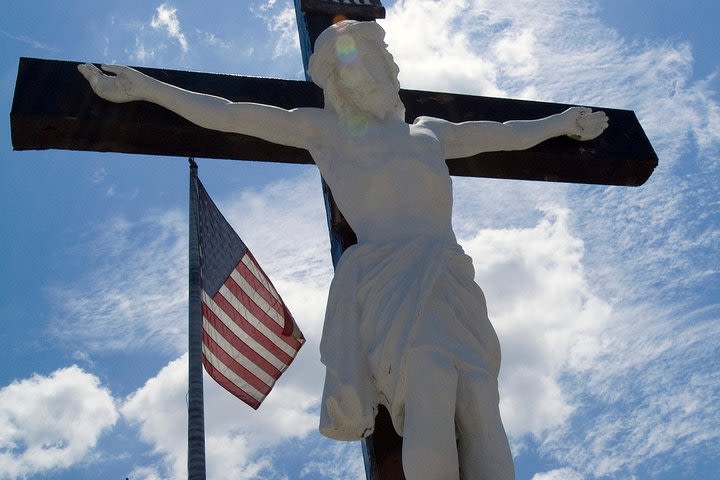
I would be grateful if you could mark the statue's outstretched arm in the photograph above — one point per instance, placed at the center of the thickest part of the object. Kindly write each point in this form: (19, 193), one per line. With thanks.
(288, 127)
(470, 138)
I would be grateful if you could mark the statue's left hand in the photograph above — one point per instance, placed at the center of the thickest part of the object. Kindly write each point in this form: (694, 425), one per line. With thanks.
(584, 124)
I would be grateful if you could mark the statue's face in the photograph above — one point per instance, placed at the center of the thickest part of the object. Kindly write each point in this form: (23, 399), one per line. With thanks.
(368, 81)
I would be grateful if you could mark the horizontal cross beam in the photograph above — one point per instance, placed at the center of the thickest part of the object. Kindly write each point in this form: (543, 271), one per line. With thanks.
(54, 108)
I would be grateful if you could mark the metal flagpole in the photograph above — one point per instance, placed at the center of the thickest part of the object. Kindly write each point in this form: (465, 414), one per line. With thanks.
(196, 418)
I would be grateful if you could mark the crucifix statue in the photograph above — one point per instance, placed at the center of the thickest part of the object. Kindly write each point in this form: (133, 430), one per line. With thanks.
(406, 327)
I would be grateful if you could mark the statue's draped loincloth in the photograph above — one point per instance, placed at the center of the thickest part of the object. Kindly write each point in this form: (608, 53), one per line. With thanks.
(384, 301)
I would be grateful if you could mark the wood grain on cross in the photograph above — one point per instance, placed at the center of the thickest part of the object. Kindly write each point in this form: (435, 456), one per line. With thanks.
(54, 108)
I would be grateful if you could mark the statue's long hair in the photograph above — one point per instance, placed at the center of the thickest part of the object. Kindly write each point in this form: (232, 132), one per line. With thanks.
(325, 62)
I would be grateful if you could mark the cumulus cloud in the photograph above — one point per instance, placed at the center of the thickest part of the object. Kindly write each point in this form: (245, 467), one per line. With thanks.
(237, 438)
(166, 19)
(52, 422)
(423, 33)
(545, 313)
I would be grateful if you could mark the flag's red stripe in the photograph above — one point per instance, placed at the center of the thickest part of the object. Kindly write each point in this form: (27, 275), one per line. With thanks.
(254, 261)
(241, 346)
(279, 306)
(258, 286)
(230, 386)
(259, 313)
(235, 366)
(253, 332)
(269, 294)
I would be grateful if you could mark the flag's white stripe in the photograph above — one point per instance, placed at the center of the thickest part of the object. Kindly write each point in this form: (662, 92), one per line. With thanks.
(236, 354)
(255, 296)
(232, 376)
(240, 333)
(255, 269)
(255, 322)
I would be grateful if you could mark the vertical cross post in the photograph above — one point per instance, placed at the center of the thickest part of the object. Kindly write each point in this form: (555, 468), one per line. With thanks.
(381, 450)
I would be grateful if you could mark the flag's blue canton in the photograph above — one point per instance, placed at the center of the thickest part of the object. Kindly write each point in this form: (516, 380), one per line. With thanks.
(220, 246)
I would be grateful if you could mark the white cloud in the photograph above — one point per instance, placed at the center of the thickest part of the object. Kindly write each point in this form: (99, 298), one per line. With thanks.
(212, 40)
(33, 43)
(514, 50)
(237, 437)
(545, 314)
(98, 176)
(159, 407)
(654, 394)
(560, 474)
(424, 33)
(139, 304)
(142, 54)
(280, 20)
(52, 422)
(166, 19)
(339, 460)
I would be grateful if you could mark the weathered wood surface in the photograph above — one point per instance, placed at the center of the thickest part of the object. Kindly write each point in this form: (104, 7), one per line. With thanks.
(54, 108)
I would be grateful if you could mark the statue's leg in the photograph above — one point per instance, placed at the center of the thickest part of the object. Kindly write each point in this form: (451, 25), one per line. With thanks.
(483, 446)
(429, 447)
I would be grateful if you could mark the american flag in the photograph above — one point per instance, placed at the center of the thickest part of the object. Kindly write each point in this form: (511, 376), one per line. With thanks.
(249, 337)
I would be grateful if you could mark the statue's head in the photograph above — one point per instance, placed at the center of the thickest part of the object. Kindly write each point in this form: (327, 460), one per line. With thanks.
(356, 72)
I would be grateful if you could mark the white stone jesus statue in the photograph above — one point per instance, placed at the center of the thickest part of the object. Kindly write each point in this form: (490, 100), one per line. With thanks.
(406, 325)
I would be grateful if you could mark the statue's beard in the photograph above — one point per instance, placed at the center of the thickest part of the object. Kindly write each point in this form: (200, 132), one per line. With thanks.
(375, 103)
(351, 103)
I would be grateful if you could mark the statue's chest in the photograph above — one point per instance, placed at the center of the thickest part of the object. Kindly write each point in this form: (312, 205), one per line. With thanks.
(387, 175)
(393, 152)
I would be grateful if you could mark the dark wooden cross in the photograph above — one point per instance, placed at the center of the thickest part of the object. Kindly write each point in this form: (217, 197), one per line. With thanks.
(54, 108)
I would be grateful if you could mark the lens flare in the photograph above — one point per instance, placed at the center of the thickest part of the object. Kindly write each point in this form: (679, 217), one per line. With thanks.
(346, 49)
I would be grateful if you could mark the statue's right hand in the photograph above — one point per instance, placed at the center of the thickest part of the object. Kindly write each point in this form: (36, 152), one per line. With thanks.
(123, 86)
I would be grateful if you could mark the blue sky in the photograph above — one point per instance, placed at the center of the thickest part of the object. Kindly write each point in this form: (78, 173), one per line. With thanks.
(605, 299)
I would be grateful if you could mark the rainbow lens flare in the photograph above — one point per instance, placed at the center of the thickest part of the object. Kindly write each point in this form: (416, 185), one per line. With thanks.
(346, 50)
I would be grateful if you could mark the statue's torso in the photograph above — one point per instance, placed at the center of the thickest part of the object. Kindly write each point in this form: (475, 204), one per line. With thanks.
(392, 184)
